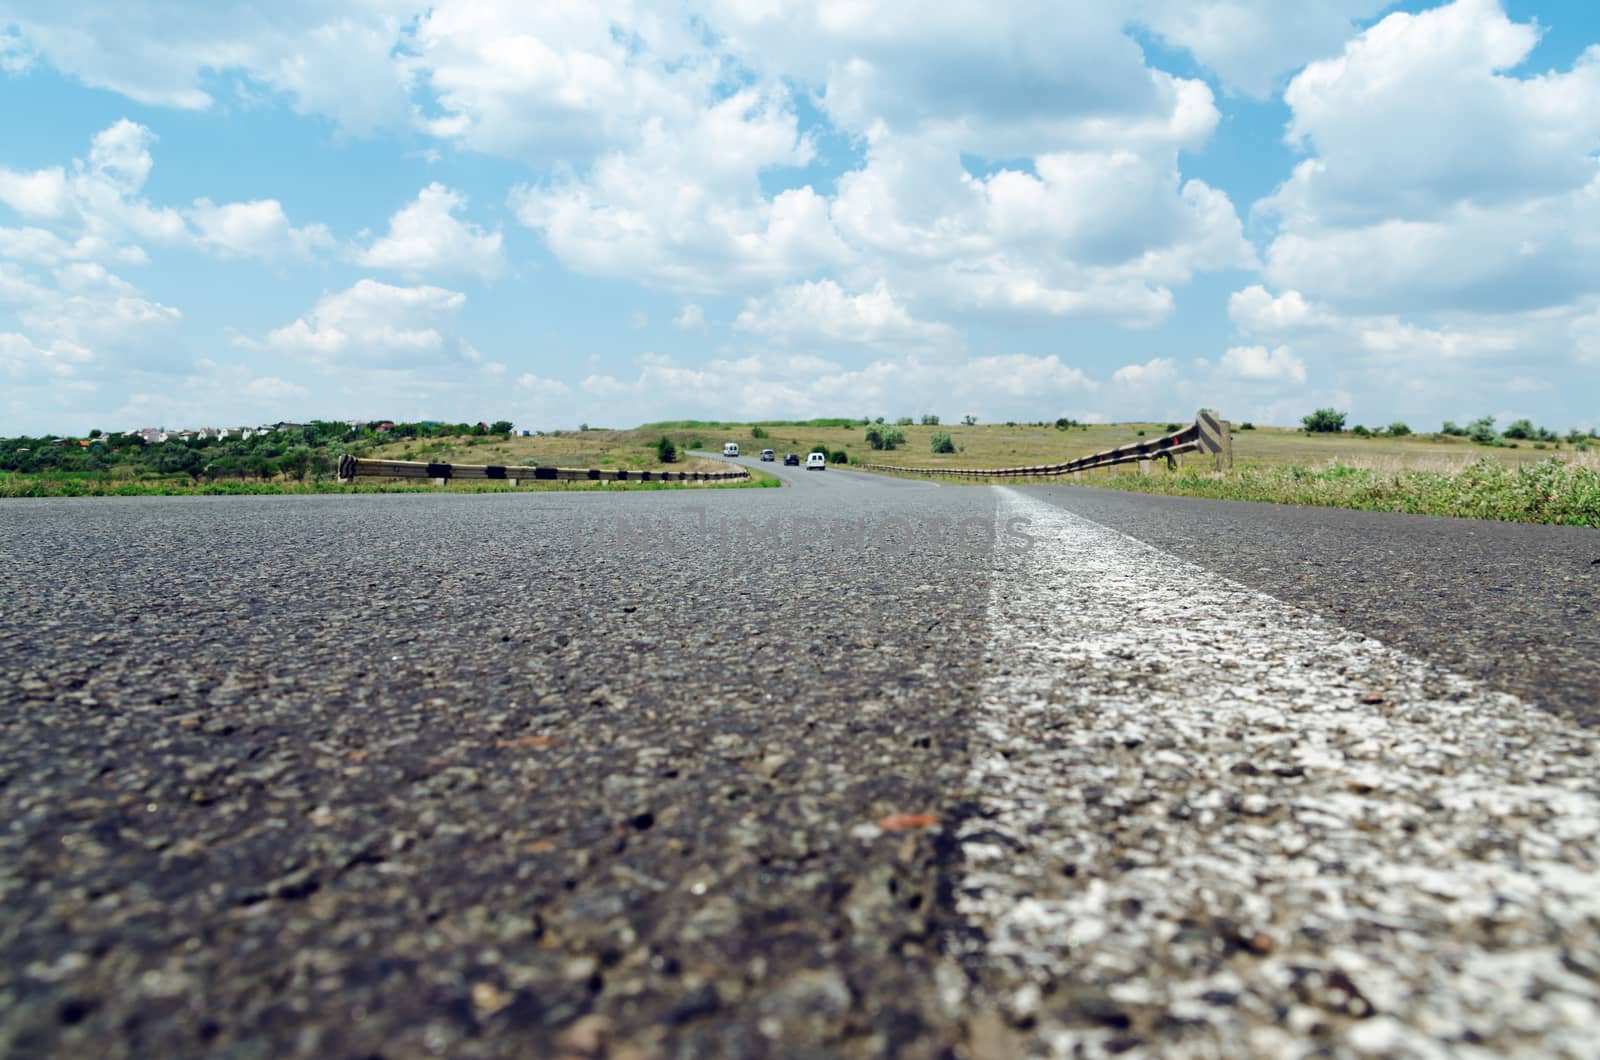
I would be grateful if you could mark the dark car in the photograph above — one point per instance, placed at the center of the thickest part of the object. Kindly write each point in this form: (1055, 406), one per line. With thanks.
(791, 459)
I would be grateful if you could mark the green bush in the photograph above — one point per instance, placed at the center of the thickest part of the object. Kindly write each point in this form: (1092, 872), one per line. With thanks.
(1482, 431)
(930, 420)
(1361, 432)
(885, 437)
(1453, 429)
(757, 432)
(838, 456)
(1324, 421)
(666, 452)
(1247, 426)
(1520, 429)
(1064, 423)
(903, 421)
(942, 442)
(1398, 429)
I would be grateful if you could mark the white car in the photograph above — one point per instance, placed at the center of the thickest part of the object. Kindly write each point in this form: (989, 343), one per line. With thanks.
(730, 448)
(817, 462)
(768, 455)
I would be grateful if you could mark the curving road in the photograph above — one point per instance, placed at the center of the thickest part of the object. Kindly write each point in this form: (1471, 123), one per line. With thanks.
(860, 767)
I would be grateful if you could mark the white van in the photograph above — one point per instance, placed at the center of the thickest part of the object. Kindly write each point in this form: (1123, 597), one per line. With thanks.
(730, 449)
(816, 462)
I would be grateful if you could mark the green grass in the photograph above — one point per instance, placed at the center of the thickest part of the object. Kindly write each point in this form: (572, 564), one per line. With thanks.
(1547, 492)
(17, 485)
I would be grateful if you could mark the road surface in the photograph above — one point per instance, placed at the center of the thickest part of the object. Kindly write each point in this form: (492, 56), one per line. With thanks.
(860, 767)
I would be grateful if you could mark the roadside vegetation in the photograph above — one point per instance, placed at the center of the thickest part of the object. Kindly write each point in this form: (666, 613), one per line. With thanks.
(1524, 473)
(303, 458)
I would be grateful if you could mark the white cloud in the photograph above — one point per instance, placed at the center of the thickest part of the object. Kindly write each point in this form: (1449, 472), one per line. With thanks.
(541, 386)
(1432, 345)
(1251, 43)
(1279, 364)
(15, 55)
(1585, 331)
(1155, 372)
(81, 315)
(271, 388)
(40, 195)
(822, 313)
(375, 324)
(338, 61)
(97, 211)
(693, 318)
(683, 211)
(992, 387)
(1254, 310)
(258, 229)
(1495, 208)
(425, 236)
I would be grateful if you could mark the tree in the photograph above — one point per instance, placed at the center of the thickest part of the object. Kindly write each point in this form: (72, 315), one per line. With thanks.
(500, 427)
(1398, 429)
(95, 433)
(903, 421)
(942, 442)
(666, 452)
(1520, 429)
(1064, 423)
(930, 420)
(296, 462)
(1453, 429)
(1324, 421)
(970, 420)
(1482, 431)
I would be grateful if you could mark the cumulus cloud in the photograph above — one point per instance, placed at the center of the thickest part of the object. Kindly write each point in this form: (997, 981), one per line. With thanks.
(991, 387)
(1254, 310)
(258, 229)
(375, 324)
(425, 236)
(1491, 210)
(1279, 364)
(332, 60)
(1154, 372)
(823, 313)
(96, 210)
(1252, 43)
(692, 318)
(79, 315)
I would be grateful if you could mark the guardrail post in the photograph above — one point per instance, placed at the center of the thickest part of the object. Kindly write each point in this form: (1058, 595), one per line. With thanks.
(1144, 465)
(1215, 437)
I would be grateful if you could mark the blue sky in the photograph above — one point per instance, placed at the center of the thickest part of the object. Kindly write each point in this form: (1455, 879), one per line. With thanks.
(613, 212)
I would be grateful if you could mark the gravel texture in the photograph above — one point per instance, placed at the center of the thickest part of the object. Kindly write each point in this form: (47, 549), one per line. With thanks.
(478, 776)
(689, 774)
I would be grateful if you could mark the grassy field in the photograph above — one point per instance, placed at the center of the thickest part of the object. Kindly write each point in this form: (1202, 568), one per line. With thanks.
(1418, 474)
(998, 445)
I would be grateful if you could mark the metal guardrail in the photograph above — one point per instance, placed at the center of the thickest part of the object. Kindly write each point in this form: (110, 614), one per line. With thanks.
(1208, 434)
(353, 467)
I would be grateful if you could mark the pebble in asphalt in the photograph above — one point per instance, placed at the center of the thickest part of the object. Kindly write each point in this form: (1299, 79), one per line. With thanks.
(666, 774)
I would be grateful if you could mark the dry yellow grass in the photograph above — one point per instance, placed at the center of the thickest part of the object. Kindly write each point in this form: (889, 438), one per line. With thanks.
(981, 446)
(999, 445)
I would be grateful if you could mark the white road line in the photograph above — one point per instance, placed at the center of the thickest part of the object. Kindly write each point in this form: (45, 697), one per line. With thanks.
(1216, 825)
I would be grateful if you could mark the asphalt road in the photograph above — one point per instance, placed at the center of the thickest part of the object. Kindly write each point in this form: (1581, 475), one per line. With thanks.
(676, 773)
